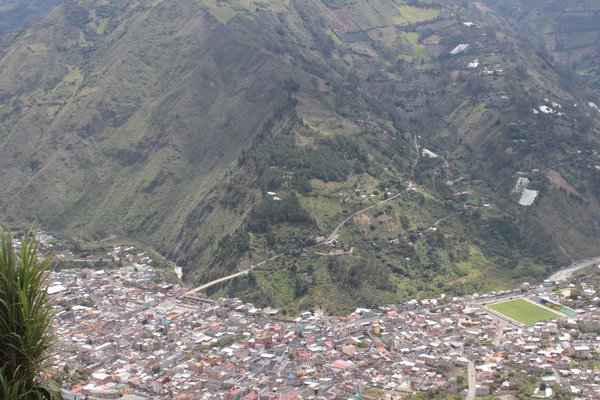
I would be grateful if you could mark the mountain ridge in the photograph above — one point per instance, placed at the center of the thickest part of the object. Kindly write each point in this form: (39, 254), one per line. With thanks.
(171, 122)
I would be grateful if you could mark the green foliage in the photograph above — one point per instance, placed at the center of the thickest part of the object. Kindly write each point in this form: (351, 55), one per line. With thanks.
(225, 341)
(500, 236)
(231, 248)
(316, 25)
(434, 394)
(269, 212)
(241, 241)
(77, 14)
(301, 287)
(25, 320)
(301, 184)
(14, 390)
(354, 272)
(333, 159)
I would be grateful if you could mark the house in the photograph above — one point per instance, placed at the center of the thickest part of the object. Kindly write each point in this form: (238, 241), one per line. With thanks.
(461, 48)
(582, 351)
(482, 390)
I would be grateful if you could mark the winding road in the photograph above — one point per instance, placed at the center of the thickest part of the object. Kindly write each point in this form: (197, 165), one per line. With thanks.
(228, 277)
(334, 234)
(331, 237)
(436, 223)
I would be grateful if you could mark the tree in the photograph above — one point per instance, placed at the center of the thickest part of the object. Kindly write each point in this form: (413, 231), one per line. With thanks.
(25, 321)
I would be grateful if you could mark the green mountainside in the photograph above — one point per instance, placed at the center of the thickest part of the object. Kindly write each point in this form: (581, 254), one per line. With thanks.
(223, 133)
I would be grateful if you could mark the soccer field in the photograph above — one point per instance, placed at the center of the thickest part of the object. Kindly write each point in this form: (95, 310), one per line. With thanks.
(523, 311)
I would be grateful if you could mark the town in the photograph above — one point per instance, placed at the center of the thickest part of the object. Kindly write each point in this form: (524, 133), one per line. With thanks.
(122, 333)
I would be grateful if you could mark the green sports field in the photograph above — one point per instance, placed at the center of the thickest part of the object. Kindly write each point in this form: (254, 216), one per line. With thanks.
(523, 311)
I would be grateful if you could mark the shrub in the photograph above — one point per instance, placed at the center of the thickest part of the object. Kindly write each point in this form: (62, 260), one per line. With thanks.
(25, 321)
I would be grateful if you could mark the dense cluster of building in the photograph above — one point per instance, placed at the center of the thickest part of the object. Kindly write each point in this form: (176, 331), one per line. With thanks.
(123, 334)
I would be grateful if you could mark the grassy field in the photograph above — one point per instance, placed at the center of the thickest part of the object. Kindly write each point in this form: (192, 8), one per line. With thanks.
(409, 14)
(102, 26)
(523, 311)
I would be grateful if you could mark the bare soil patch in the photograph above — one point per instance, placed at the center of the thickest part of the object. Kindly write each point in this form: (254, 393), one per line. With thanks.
(558, 182)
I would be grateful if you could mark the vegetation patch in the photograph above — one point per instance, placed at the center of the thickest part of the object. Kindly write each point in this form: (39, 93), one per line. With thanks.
(333, 159)
(102, 26)
(37, 47)
(52, 110)
(410, 14)
(271, 211)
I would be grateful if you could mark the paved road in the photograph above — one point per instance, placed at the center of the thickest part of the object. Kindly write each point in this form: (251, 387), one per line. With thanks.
(436, 223)
(217, 281)
(499, 332)
(556, 376)
(565, 273)
(330, 238)
(472, 380)
(335, 252)
(229, 277)
(334, 234)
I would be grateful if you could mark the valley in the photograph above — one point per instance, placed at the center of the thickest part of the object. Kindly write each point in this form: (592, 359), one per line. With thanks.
(300, 199)
(460, 341)
(152, 338)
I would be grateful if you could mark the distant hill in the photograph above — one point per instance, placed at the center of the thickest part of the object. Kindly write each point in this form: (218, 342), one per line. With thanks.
(15, 13)
(568, 30)
(224, 132)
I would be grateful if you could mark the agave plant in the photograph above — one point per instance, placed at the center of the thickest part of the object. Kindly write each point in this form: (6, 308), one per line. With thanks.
(25, 321)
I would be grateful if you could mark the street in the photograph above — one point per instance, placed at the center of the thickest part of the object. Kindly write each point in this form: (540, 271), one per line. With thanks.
(472, 380)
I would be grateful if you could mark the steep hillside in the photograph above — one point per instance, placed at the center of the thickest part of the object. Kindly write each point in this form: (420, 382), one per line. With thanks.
(126, 117)
(568, 30)
(223, 133)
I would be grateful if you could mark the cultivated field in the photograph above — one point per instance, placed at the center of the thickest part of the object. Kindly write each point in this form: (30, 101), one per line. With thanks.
(523, 311)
